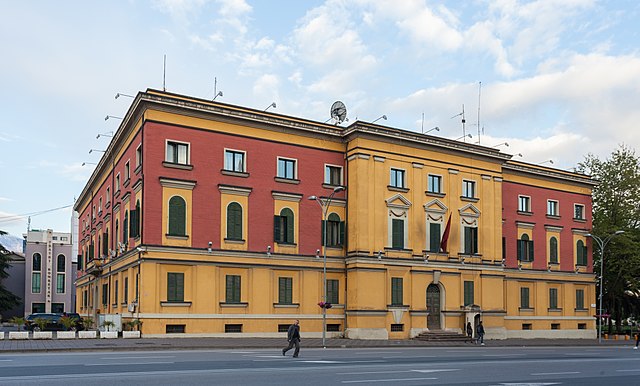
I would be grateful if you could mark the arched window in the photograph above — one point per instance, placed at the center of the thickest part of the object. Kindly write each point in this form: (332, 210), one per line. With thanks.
(581, 253)
(525, 248)
(177, 216)
(283, 230)
(125, 228)
(553, 250)
(234, 221)
(37, 262)
(61, 263)
(335, 231)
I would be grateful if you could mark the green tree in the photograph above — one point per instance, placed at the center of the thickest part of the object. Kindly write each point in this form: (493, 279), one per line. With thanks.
(615, 207)
(8, 300)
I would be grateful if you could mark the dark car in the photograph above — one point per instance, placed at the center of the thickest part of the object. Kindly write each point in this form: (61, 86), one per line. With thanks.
(52, 322)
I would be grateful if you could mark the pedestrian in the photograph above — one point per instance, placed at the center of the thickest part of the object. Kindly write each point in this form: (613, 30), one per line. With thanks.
(293, 336)
(637, 336)
(469, 331)
(480, 333)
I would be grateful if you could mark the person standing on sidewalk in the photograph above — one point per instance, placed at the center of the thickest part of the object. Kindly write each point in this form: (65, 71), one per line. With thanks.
(293, 336)
(469, 331)
(480, 332)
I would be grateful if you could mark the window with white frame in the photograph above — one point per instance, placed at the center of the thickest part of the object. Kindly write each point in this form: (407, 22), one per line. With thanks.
(524, 204)
(287, 168)
(434, 184)
(117, 188)
(397, 178)
(177, 153)
(578, 212)
(127, 171)
(468, 189)
(234, 160)
(99, 205)
(108, 196)
(552, 208)
(332, 175)
(138, 156)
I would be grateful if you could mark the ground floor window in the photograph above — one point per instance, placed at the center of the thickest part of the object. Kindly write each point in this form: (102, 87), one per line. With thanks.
(57, 308)
(37, 308)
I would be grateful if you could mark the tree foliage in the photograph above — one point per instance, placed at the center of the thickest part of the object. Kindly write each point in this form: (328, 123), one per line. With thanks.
(616, 207)
(8, 300)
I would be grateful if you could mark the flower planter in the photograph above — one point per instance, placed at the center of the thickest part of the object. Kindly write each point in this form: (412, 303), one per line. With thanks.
(22, 335)
(42, 335)
(108, 334)
(130, 334)
(87, 334)
(66, 335)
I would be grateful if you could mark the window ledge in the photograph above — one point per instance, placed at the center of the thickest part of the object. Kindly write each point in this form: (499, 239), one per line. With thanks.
(554, 309)
(397, 189)
(177, 237)
(286, 180)
(137, 169)
(581, 309)
(581, 265)
(470, 255)
(554, 263)
(173, 165)
(126, 182)
(234, 241)
(234, 305)
(403, 250)
(116, 194)
(553, 216)
(434, 194)
(286, 245)
(332, 186)
(175, 304)
(335, 247)
(526, 309)
(470, 199)
(283, 305)
(398, 306)
(525, 212)
(579, 219)
(124, 303)
(234, 173)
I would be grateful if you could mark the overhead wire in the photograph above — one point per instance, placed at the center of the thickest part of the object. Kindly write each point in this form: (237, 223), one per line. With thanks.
(15, 217)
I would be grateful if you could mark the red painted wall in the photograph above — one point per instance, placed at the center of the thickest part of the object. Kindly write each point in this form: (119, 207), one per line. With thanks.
(539, 197)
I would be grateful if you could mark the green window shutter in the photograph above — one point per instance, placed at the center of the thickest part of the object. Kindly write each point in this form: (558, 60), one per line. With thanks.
(276, 228)
(180, 287)
(520, 249)
(469, 297)
(125, 228)
(553, 250)
(585, 254)
(474, 238)
(468, 241)
(177, 216)
(234, 221)
(323, 230)
(397, 236)
(289, 223)
(332, 291)
(530, 250)
(341, 240)
(171, 286)
(553, 298)
(434, 237)
(233, 289)
(396, 291)
(579, 299)
(285, 289)
(524, 297)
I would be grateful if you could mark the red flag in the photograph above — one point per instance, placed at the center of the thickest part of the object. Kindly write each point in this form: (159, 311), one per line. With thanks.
(445, 236)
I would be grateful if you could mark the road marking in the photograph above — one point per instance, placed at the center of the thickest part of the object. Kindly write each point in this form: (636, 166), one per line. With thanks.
(128, 363)
(243, 352)
(389, 380)
(155, 357)
(378, 352)
(529, 384)
(560, 373)
(434, 370)
(375, 372)
(6, 360)
(323, 362)
(268, 356)
(410, 356)
(629, 370)
(503, 355)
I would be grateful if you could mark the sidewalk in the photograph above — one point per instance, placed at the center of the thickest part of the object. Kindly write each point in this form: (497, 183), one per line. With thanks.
(13, 346)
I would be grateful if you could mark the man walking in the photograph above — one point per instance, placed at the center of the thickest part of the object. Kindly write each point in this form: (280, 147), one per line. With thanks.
(480, 333)
(293, 336)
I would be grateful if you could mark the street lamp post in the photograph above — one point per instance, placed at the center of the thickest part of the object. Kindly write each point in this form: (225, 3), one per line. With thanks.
(602, 244)
(325, 209)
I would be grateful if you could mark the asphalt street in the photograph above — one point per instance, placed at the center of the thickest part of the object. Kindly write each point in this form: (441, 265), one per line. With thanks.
(590, 365)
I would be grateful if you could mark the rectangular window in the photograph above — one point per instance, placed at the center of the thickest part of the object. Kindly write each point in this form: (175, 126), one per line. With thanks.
(84, 299)
(581, 253)
(524, 297)
(108, 197)
(138, 156)
(175, 329)
(234, 161)
(115, 293)
(37, 308)
(60, 283)
(287, 168)
(105, 294)
(435, 184)
(468, 293)
(232, 289)
(553, 298)
(127, 171)
(524, 204)
(333, 295)
(434, 237)
(578, 211)
(177, 153)
(333, 327)
(527, 326)
(233, 328)
(468, 189)
(552, 208)
(525, 249)
(582, 326)
(396, 291)
(125, 291)
(285, 290)
(283, 327)
(470, 240)
(175, 287)
(117, 187)
(397, 327)
(332, 175)
(397, 235)
(397, 178)
(555, 326)
(35, 282)
(580, 299)
(100, 206)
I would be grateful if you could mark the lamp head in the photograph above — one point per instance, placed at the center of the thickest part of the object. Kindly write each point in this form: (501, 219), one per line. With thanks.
(313, 198)
(619, 232)
(338, 189)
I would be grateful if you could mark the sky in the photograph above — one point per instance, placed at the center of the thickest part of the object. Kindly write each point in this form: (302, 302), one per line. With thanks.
(555, 79)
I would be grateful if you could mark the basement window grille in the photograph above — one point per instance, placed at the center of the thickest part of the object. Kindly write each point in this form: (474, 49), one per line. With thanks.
(397, 327)
(232, 328)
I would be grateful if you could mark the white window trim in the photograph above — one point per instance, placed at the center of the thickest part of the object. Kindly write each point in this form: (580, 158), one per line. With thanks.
(528, 209)
(441, 181)
(127, 169)
(64, 283)
(341, 182)
(244, 159)
(404, 177)
(557, 208)
(584, 215)
(166, 144)
(475, 188)
(139, 155)
(108, 199)
(295, 166)
(117, 182)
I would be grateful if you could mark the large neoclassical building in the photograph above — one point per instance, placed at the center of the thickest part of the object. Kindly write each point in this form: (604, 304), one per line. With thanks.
(197, 220)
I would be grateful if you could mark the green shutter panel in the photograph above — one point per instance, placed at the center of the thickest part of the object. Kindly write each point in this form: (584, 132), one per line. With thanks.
(237, 230)
(171, 287)
(474, 233)
(180, 287)
(290, 231)
(585, 255)
(434, 237)
(467, 240)
(341, 240)
(530, 250)
(276, 228)
(281, 290)
(323, 230)
(229, 289)
(520, 249)
(397, 238)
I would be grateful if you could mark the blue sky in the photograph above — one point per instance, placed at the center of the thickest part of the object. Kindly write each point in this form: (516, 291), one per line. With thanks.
(560, 78)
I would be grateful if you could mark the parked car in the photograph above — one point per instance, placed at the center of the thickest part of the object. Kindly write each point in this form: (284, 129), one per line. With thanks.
(52, 322)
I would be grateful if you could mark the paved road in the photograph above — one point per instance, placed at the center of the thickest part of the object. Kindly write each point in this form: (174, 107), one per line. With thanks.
(595, 365)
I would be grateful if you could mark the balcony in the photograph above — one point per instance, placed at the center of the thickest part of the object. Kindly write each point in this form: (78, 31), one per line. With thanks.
(94, 267)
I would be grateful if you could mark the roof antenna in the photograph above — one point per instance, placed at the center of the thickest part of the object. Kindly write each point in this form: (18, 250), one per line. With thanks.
(164, 74)
(422, 128)
(479, 90)
(464, 133)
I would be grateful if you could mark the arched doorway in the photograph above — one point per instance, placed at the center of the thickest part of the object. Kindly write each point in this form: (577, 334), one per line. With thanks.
(433, 307)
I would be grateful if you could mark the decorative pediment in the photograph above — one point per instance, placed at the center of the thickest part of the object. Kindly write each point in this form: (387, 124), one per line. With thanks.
(469, 210)
(398, 201)
(435, 206)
